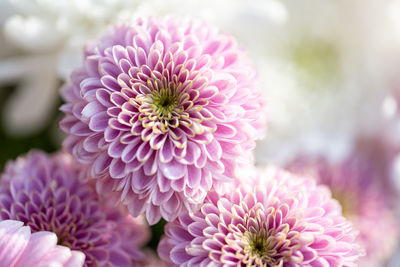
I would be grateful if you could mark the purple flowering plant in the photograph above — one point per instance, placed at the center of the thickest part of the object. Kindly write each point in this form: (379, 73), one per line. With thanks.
(160, 122)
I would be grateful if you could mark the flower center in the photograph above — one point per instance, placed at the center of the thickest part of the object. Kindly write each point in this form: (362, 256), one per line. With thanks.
(258, 249)
(164, 102)
(257, 243)
(164, 108)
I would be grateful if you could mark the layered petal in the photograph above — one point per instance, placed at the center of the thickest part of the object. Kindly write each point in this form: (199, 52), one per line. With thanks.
(18, 248)
(156, 103)
(45, 193)
(271, 219)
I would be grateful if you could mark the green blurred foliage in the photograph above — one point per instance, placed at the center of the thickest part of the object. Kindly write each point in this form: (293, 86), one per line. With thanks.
(157, 232)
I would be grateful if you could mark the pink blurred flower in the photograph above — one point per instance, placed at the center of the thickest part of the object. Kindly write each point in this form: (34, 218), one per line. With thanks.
(44, 193)
(162, 111)
(20, 248)
(277, 220)
(150, 260)
(354, 183)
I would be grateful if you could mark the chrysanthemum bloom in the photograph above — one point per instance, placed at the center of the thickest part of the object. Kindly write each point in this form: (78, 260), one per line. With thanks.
(45, 194)
(280, 220)
(20, 248)
(52, 33)
(354, 184)
(162, 111)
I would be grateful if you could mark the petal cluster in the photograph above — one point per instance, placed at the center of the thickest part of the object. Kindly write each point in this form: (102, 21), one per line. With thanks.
(276, 220)
(45, 194)
(162, 112)
(354, 183)
(20, 248)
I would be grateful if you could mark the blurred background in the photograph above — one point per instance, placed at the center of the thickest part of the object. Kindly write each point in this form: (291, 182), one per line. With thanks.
(330, 72)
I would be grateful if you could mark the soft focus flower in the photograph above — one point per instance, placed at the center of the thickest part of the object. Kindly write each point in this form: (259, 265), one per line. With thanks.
(331, 70)
(34, 85)
(20, 248)
(61, 28)
(385, 142)
(45, 194)
(163, 111)
(277, 220)
(151, 260)
(5, 11)
(354, 183)
(380, 151)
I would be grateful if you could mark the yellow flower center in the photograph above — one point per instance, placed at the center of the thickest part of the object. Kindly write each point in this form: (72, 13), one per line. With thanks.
(164, 102)
(259, 248)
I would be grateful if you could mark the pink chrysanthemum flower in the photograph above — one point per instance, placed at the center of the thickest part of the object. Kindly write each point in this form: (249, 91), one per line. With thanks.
(279, 220)
(354, 184)
(20, 248)
(45, 194)
(165, 110)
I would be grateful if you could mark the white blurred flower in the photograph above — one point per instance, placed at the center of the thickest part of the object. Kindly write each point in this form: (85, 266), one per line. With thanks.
(335, 61)
(391, 132)
(5, 11)
(54, 32)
